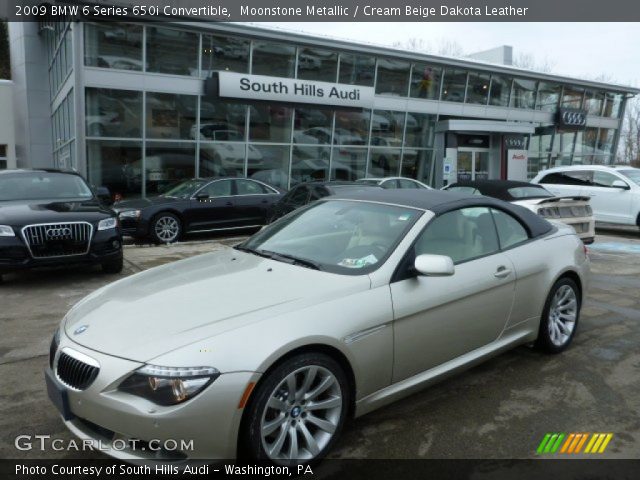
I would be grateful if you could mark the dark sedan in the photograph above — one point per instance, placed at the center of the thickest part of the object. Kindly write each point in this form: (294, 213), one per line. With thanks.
(53, 218)
(198, 205)
(305, 193)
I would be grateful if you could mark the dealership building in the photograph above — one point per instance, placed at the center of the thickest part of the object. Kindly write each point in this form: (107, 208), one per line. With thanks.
(137, 107)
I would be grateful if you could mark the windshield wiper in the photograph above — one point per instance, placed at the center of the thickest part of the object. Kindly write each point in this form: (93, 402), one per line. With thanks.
(281, 257)
(291, 259)
(259, 253)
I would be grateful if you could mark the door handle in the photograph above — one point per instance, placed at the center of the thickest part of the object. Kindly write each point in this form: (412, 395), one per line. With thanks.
(265, 201)
(502, 272)
(229, 204)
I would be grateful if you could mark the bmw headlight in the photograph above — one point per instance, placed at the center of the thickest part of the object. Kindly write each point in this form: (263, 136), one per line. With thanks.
(168, 385)
(108, 223)
(6, 231)
(129, 214)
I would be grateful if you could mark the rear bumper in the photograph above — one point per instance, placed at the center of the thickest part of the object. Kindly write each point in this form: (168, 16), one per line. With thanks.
(585, 227)
(14, 255)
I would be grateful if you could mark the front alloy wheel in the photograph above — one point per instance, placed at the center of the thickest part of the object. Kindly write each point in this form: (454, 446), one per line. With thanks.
(299, 410)
(166, 228)
(560, 316)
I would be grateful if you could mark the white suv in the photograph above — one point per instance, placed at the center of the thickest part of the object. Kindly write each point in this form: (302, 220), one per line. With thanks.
(614, 190)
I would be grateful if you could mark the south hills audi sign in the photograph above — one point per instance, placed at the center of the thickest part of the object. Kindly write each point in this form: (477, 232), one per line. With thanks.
(288, 90)
(571, 119)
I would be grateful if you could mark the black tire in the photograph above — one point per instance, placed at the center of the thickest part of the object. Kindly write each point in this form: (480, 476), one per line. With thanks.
(251, 438)
(113, 266)
(545, 340)
(155, 225)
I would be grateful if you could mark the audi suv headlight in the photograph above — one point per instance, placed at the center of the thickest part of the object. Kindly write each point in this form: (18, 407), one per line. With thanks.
(129, 214)
(108, 223)
(168, 385)
(6, 231)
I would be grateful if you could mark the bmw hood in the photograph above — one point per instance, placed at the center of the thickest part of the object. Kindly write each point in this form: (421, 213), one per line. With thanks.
(168, 307)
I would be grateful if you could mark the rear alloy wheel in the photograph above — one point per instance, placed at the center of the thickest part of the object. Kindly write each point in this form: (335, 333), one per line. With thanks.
(298, 411)
(166, 228)
(560, 316)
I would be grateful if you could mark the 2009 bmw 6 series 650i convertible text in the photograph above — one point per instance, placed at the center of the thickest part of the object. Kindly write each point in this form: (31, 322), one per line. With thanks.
(334, 310)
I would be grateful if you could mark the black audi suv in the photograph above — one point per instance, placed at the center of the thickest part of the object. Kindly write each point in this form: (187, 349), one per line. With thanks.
(53, 218)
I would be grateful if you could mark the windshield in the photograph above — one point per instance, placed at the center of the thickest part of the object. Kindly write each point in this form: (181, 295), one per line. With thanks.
(340, 236)
(185, 189)
(43, 186)
(529, 192)
(633, 175)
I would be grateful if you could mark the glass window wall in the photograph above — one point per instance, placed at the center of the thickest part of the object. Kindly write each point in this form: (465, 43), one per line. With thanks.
(113, 45)
(113, 113)
(171, 116)
(270, 164)
(116, 165)
(166, 164)
(357, 69)
(426, 81)
(274, 59)
(478, 88)
(500, 89)
(270, 123)
(393, 77)
(224, 53)
(172, 51)
(317, 64)
(348, 163)
(454, 85)
(548, 96)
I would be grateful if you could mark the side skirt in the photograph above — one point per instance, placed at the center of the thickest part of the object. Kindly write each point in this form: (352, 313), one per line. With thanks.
(419, 381)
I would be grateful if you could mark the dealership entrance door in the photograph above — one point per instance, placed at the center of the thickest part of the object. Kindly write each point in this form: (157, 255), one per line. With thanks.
(473, 164)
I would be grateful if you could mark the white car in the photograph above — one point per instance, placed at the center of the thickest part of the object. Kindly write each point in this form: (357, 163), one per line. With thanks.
(571, 210)
(394, 182)
(614, 190)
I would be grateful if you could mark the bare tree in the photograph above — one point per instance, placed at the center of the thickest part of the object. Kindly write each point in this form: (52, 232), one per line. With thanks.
(444, 47)
(529, 62)
(629, 148)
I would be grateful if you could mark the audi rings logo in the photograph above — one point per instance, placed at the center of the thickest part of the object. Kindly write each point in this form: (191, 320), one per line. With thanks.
(514, 142)
(58, 233)
(571, 118)
(574, 118)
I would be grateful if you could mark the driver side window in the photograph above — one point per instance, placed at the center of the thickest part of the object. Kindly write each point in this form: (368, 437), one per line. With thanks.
(220, 188)
(462, 234)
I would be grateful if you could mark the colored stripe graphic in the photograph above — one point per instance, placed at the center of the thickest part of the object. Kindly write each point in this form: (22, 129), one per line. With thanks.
(573, 443)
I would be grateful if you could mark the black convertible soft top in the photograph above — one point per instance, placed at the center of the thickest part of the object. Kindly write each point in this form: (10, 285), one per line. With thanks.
(439, 202)
(500, 188)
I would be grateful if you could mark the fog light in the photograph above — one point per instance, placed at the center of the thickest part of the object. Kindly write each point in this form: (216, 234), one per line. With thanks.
(116, 244)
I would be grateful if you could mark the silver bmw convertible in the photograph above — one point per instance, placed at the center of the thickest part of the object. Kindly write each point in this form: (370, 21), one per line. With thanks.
(339, 308)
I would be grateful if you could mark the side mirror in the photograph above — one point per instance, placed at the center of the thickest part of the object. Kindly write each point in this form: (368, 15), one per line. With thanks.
(621, 184)
(104, 195)
(202, 196)
(434, 265)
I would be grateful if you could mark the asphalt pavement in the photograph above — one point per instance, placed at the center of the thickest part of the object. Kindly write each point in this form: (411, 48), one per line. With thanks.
(500, 409)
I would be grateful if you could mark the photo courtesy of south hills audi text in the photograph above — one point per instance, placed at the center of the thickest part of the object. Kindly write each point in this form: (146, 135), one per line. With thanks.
(331, 238)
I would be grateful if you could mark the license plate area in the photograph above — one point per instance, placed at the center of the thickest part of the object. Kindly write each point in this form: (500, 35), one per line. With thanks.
(58, 394)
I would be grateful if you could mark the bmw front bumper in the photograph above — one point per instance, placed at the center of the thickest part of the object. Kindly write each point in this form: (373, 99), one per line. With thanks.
(128, 427)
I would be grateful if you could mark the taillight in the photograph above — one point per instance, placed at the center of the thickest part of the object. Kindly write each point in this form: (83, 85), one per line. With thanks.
(585, 249)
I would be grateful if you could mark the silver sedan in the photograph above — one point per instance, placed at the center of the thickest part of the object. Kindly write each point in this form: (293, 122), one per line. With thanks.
(334, 310)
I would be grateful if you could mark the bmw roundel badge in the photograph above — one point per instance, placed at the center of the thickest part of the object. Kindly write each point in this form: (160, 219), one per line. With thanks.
(80, 329)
